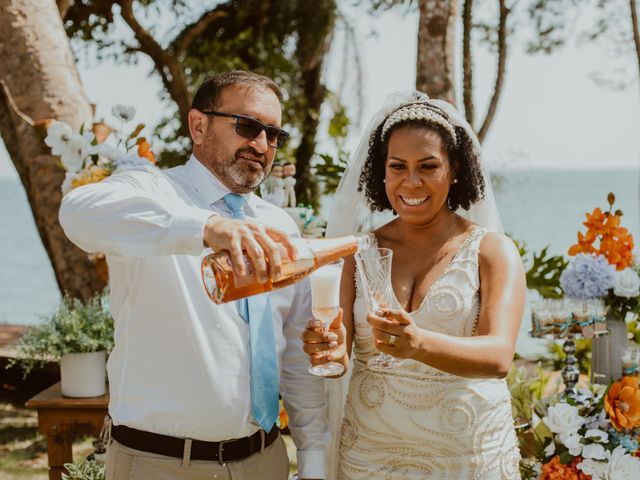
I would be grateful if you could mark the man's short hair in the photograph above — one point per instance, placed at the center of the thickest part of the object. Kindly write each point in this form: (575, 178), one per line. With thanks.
(207, 96)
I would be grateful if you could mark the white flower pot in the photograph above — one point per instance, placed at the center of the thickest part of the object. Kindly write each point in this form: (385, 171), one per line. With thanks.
(83, 374)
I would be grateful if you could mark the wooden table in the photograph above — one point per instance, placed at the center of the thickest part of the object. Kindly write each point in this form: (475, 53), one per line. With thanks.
(61, 419)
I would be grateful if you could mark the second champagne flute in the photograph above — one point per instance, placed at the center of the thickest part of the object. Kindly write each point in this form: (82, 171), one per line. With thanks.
(325, 305)
(374, 269)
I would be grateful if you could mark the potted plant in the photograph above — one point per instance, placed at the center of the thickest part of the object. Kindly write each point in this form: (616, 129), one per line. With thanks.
(77, 334)
(85, 470)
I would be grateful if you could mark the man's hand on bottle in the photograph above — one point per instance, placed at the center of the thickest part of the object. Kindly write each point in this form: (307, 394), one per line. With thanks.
(330, 346)
(258, 241)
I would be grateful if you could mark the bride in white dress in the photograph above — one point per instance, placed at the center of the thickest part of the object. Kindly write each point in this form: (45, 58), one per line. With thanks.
(445, 411)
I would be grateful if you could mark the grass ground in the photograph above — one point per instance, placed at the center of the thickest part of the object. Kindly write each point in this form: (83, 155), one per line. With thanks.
(23, 451)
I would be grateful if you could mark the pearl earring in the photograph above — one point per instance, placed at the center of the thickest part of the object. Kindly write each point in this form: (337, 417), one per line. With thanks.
(455, 180)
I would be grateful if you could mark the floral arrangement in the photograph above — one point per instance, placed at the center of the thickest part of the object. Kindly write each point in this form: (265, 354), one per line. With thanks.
(87, 160)
(595, 436)
(603, 265)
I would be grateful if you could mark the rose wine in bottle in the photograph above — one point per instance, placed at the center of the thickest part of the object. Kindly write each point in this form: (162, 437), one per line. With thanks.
(222, 284)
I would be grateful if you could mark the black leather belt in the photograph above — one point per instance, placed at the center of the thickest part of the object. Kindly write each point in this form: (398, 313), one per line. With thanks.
(227, 451)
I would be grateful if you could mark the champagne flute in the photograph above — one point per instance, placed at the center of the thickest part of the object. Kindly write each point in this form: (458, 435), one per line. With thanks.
(325, 305)
(374, 268)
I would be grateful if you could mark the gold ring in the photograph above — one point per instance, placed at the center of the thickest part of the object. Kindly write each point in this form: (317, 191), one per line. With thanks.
(392, 340)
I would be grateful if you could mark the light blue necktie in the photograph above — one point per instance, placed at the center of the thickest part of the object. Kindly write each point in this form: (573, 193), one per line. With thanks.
(263, 366)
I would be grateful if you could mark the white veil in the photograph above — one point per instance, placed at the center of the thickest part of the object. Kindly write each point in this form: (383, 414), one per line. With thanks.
(350, 213)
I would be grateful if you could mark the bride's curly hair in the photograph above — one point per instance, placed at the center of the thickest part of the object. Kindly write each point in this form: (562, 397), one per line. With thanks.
(463, 156)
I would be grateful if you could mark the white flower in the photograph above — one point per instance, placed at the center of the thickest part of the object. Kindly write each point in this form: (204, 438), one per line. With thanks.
(66, 185)
(79, 148)
(132, 160)
(124, 113)
(58, 137)
(563, 418)
(108, 152)
(594, 451)
(622, 466)
(626, 283)
(600, 435)
(550, 449)
(593, 468)
(572, 442)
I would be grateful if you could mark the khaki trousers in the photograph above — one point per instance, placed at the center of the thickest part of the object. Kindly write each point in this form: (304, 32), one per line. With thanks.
(124, 463)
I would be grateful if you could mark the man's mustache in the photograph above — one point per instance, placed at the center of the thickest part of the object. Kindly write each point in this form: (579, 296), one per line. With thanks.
(250, 152)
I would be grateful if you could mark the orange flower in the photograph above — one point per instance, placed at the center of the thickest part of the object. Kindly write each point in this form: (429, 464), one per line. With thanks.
(595, 221)
(622, 403)
(554, 470)
(144, 150)
(283, 417)
(584, 245)
(615, 242)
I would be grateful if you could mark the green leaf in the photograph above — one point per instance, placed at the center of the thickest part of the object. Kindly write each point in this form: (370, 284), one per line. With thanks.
(566, 457)
(544, 274)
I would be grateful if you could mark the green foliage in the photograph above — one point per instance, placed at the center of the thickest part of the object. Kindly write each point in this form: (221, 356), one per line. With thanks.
(85, 470)
(330, 171)
(282, 40)
(330, 168)
(633, 330)
(75, 327)
(583, 353)
(525, 391)
(544, 273)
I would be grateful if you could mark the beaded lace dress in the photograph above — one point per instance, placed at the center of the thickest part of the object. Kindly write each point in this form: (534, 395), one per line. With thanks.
(417, 422)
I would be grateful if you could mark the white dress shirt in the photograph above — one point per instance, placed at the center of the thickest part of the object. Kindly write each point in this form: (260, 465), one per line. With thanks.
(180, 365)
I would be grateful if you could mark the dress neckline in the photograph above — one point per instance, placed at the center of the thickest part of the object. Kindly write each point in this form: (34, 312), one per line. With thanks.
(470, 236)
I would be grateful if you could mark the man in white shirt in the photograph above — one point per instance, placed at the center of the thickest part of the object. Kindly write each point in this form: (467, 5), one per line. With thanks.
(192, 393)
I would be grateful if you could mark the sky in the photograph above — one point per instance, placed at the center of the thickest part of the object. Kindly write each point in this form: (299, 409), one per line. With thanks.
(551, 115)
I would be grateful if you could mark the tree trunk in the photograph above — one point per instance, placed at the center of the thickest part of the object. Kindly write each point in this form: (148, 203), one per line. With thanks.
(500, 71)
(436, 38)
(40, 81)
(636, 32)
(467, 62)
(313, 47)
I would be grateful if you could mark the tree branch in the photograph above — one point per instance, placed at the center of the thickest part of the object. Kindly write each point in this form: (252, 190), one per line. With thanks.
(11, 103)
(636, 33)
(191, 32)
(502, 63)
(467, 62)
(167, 65)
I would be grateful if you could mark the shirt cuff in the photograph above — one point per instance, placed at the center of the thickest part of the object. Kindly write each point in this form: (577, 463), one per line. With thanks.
(311, 463)
(189, 230)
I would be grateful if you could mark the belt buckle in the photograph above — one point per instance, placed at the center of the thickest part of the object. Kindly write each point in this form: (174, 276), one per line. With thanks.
(220, 450)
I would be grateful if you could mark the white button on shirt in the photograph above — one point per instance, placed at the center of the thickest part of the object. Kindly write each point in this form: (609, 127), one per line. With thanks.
(180, 365)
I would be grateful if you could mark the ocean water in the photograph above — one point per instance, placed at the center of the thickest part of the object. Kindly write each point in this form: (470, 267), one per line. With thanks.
(539, 207)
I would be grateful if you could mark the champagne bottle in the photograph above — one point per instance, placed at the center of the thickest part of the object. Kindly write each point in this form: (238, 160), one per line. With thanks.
(222, 284)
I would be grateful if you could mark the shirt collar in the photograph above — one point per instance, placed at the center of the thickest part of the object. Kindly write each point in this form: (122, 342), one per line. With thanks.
(210, 188)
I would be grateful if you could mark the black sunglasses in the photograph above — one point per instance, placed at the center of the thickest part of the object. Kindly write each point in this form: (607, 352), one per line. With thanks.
(250, 128)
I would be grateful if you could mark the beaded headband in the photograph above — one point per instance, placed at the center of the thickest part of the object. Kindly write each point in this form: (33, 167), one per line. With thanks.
(419, 112)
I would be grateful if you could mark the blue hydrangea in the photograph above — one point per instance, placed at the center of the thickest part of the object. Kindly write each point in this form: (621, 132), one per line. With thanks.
(587, 277)
(627, 442)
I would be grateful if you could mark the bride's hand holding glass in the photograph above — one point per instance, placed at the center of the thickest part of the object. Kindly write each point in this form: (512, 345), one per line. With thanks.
(326, 346)
(395, 333)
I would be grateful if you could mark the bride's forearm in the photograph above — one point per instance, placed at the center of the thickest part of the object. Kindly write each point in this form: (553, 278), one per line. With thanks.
(484, 356)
